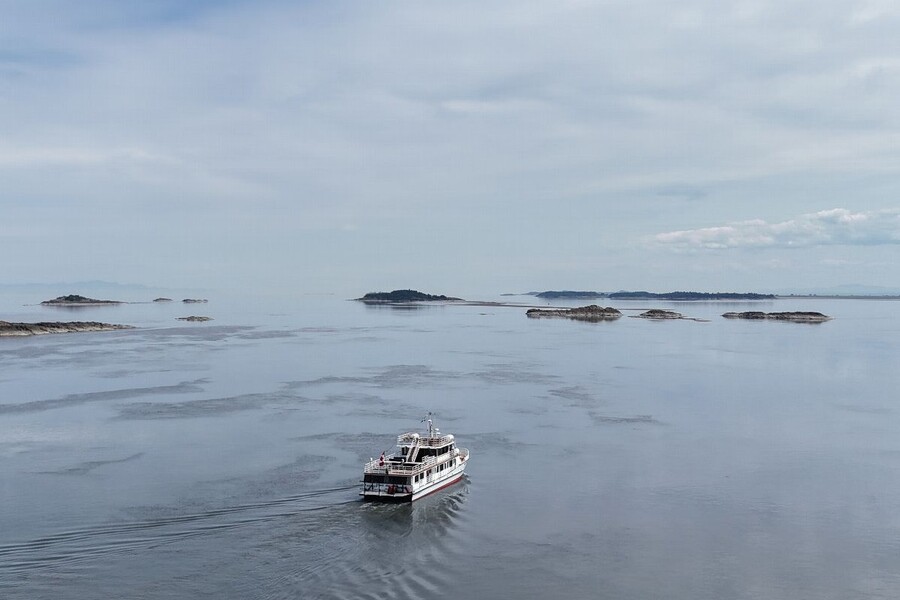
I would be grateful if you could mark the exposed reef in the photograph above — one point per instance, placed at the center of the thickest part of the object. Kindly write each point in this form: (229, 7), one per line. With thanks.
(658, 314)
(403, 296)
(195, 301)
(591, 313)
(8, 329)
(194, 319)
(162, 299)
(796, 316)
(76, 300)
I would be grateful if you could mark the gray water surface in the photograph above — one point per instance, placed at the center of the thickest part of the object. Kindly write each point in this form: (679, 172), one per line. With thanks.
(632, 459)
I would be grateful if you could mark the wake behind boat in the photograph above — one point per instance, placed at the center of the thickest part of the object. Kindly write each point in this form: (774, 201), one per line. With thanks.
(420, 465)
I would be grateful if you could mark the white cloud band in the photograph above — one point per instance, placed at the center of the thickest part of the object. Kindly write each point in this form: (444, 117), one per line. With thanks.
(837, 226)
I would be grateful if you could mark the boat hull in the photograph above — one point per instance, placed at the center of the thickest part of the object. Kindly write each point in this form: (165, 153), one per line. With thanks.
(418, 491)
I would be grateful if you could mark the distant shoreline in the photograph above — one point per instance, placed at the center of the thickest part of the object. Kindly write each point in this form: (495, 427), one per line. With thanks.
(836, 297)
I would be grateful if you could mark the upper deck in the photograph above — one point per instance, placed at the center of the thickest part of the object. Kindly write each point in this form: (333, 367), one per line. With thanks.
(415, 453)
(425, 441)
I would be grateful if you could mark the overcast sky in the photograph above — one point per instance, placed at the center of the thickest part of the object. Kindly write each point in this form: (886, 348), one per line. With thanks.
(454, 147)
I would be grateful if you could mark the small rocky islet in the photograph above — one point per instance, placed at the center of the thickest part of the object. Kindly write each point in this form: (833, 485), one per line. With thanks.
(659, 314)
(592, 313)
(10, 329)
(77, 300)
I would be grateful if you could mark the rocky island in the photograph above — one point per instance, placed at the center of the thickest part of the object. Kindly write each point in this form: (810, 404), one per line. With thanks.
(659, 314)
(194, 319)
(162, 299)
(8, 329)
(195, 301)
(592, 313)
(403, 297)
(77, 300)
(796, 316)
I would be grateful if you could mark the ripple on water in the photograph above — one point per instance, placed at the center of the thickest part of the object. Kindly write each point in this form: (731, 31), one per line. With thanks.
(394, 551)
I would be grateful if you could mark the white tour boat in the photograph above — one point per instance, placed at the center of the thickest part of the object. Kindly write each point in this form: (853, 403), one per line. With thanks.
(421, 464)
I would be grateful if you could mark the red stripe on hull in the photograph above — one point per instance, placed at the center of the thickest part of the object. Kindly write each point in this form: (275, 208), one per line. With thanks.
(439, 488)
(409, 497)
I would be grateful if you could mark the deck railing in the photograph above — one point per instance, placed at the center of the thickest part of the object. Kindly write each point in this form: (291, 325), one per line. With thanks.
(389, 467)
(424, 441)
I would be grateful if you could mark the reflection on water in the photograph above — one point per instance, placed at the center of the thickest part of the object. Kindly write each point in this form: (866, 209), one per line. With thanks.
(430, 517)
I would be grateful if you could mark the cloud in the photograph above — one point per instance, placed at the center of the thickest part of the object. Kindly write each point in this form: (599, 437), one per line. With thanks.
(19, 157)
(837, 226)
(303, 135)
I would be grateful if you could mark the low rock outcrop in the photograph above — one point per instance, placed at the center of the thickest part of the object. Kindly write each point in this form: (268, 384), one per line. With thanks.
(194, 319)
(796, 316)
(195, 300)
(659, 314)
(8, 329)
(162, 299)
(76, 300)
(591, 313)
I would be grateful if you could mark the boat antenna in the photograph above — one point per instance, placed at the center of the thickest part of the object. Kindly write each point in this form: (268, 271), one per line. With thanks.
(428, 420)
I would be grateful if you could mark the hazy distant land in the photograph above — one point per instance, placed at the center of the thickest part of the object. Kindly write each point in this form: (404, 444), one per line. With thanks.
(641, 295)
(568, 295)
(796, 316)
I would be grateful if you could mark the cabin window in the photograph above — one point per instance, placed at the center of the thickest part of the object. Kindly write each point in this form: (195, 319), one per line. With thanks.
(389, 479)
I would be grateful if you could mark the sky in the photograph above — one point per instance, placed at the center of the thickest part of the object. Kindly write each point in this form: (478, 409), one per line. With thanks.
(461, 147)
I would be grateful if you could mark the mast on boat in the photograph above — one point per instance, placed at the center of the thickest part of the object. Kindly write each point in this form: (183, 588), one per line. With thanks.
(432, 430)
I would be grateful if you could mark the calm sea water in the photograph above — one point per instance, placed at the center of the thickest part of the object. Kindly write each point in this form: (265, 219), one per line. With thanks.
(633, 459)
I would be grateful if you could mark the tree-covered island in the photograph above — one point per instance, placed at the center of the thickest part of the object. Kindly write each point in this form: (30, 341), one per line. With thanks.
(77, 300)
(404, 296)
